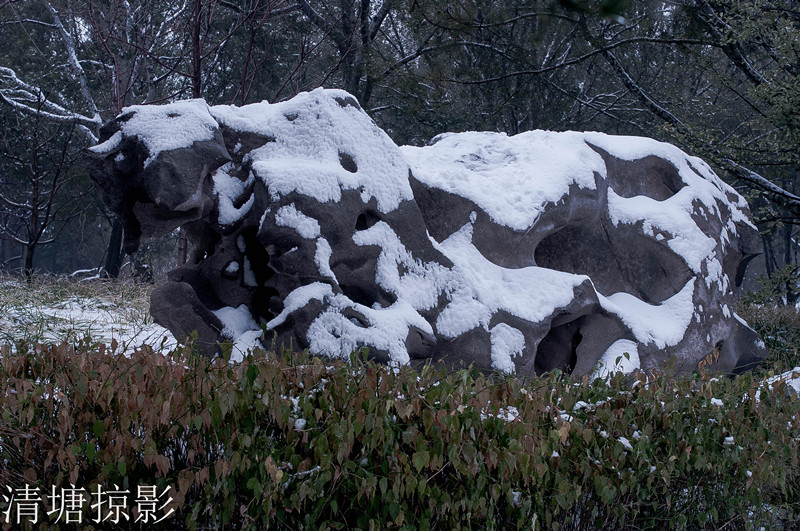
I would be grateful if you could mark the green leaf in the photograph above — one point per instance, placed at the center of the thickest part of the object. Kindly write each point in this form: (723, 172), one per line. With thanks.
(252, 373)
(254, 485)
(90, 451)
(394, 510)
(420, 460)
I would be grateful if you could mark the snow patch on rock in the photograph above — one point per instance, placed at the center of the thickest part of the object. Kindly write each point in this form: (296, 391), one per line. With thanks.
(622, 356)
(164, 127)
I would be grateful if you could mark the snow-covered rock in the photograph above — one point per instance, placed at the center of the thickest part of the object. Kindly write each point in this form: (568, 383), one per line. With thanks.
(529, 253)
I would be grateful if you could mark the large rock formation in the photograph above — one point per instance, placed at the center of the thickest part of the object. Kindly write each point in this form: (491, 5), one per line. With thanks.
(523, 254)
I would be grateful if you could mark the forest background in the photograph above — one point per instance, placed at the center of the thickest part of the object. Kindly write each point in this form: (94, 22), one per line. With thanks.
(718, 78)
(375, 447)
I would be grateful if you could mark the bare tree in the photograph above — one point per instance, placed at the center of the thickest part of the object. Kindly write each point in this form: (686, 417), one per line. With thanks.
(111, 55)
(29, 98)
(353, 26)
(37, 178)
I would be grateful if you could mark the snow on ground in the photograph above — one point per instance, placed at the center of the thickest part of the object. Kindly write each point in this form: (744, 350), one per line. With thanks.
(790, 378)
(241, 328)
(55, 312)
(103, 323)
(28, 314)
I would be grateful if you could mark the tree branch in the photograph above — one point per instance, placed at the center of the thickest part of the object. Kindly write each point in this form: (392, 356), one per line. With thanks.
(319, 21)
(648, 102)
(712, 20)
(580, 59)
(785, 197)
(74, 64)
(377, 20)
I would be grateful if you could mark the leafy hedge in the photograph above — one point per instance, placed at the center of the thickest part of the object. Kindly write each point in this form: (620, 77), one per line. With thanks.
(290, 442)
(779, 327)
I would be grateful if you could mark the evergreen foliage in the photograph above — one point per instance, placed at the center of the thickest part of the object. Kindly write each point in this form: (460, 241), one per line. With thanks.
(288, 441)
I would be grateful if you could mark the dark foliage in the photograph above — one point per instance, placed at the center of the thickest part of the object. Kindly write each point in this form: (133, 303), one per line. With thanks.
(292, 442)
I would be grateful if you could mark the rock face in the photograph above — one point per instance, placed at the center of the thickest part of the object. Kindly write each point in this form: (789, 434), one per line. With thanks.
(522, 254)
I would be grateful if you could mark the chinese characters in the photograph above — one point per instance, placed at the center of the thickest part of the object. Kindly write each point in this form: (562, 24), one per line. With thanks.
(70, 505)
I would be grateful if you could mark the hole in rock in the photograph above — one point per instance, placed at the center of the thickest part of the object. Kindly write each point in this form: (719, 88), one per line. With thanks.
(617, 260)
(347, 162)
(559, 348)
(366, 220)
(231, 270)
(122, 118)
(270, 305)
(262, 303)
(265, 301)
(257, 256)
(367, 294)
(740, 268)
(357, 279)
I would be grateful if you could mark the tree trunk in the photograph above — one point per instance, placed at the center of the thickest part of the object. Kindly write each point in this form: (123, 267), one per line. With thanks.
(197, 28)
(114, 251)
(27, 268)
(769, 254)
(791, 289)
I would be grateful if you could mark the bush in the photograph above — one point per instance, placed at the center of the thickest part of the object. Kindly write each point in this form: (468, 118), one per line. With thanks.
(291, 442)
(779, 327)
(775, 318)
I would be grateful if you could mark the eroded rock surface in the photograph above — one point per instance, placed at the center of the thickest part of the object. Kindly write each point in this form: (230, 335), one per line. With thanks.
(523, 254)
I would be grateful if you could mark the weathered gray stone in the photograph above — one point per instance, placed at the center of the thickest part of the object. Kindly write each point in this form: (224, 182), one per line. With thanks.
(523, 254)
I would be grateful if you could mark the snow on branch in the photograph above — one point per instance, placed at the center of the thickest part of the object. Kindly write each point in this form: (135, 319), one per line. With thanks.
(74, 63)
(30, 99)
(378, 19)
(789, 199)
(14, 204)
